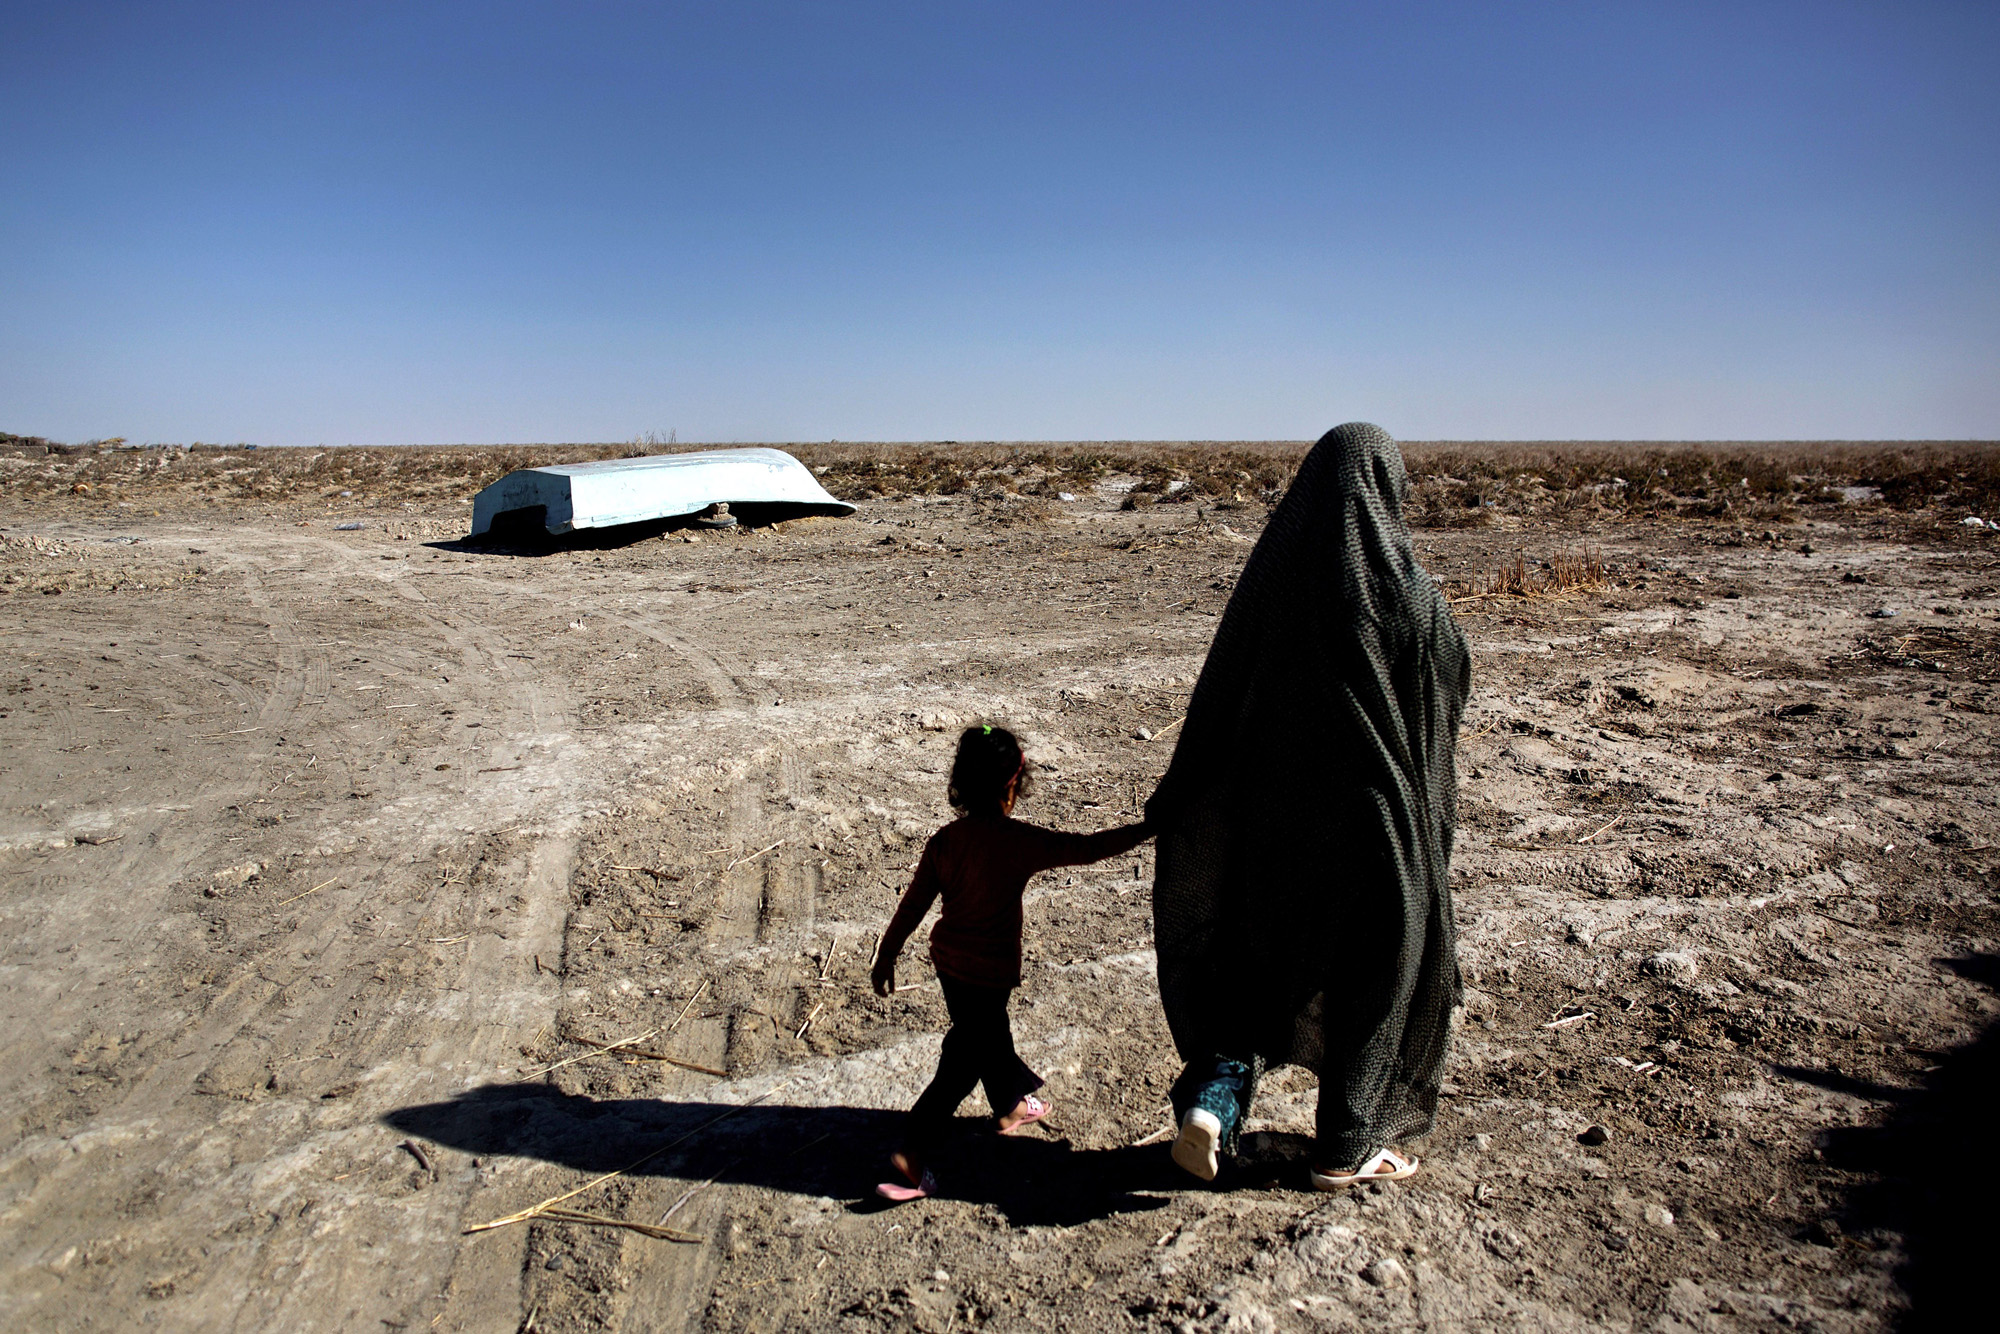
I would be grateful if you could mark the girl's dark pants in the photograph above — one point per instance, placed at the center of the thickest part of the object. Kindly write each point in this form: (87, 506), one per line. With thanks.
(979, 1049)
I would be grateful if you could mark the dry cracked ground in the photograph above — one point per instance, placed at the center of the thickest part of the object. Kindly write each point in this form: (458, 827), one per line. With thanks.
(331, 858)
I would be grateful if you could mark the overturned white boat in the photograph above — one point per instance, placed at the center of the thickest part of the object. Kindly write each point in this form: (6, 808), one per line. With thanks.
(566, 497)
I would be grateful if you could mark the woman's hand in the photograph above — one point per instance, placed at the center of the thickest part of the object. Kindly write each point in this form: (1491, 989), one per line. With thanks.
(883, 975)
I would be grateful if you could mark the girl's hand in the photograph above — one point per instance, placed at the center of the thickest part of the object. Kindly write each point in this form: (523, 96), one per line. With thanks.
(883, 976)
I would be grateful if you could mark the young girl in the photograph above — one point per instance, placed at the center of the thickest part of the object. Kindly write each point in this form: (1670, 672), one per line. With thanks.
(979, 864)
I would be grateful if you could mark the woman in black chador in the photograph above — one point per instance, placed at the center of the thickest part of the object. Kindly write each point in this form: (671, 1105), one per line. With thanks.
(1303, 905)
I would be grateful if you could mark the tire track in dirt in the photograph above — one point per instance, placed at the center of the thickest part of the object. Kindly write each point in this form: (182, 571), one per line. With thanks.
(671, 1281)
(282, 1003)
(153, 852)
(152, 848)
(756, 900)
(279, 712)
(765, 904)
(481, 1008)
(671, 1285)
(724, 676)
(674, 1280)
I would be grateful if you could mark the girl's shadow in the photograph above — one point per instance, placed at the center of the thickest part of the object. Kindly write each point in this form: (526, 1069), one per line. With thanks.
(837, 1152)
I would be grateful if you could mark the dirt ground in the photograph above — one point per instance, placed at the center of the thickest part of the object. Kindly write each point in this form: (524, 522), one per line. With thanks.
(330, 854)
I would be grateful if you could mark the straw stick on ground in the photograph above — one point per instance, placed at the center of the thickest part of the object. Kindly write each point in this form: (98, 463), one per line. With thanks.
(751, 857)
(601, 1048)
(628, 1046)
(645, 1054)
(698, 1188)
(1605, 830)
(685, 1008)
(314, 890)
(541, 1210)
(600, 1220)
(1160, 1134)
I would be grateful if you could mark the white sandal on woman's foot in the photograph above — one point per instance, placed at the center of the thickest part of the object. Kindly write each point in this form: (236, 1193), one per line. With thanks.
(1195, 1150)
(1388, 1165)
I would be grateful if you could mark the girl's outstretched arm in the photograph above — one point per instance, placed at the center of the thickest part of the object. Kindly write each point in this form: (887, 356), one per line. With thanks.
(1060, 848)
(917, 900)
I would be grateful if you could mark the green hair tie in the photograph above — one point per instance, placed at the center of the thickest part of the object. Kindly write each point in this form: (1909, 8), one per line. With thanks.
(986, 731)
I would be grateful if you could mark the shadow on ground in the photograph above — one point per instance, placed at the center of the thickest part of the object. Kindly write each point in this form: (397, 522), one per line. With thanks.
(1931, 1173)
(513, 535)
(837, 1152)
(535, 542)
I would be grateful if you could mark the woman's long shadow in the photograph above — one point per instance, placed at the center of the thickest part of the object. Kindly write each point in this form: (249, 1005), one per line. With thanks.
(1931, 1172)
(839, 1152)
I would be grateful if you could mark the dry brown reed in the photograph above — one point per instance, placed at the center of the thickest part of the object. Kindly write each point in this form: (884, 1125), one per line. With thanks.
(1564, 574)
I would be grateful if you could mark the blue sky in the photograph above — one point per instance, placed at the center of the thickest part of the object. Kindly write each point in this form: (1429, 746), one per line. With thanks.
(296, 224)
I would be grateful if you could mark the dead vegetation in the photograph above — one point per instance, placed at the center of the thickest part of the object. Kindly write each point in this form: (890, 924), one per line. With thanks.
(1463, 485)
(1561, 575)
(1454, 485)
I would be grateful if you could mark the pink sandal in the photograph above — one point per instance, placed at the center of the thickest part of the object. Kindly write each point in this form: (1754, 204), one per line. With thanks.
(897, 1192)
(1031, 1109)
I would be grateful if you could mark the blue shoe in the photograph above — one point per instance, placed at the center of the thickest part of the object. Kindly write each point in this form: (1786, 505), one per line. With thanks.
(1211, 1120)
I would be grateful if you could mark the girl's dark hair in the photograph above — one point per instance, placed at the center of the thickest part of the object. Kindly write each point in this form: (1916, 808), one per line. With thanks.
(988, 757)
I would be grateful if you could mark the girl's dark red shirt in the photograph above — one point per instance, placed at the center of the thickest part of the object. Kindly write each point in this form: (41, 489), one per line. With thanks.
(979, 865)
